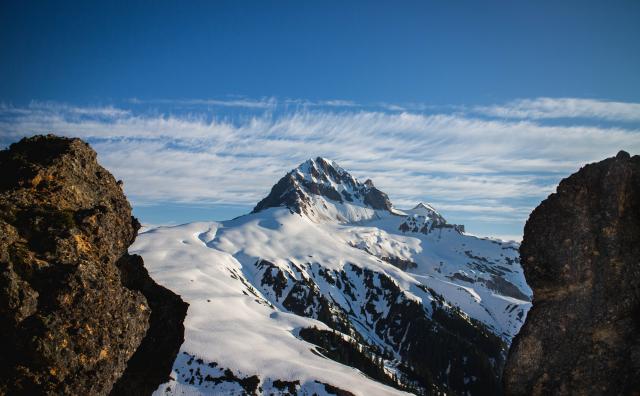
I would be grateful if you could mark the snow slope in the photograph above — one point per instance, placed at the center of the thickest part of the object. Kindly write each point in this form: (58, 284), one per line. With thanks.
(432, 307)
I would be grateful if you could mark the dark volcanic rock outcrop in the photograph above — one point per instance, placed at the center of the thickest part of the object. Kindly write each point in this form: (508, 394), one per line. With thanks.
(581, 256)
(74, 306)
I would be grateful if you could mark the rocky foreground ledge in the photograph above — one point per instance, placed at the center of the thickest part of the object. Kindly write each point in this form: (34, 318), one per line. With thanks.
(78, 314)
(581, 257)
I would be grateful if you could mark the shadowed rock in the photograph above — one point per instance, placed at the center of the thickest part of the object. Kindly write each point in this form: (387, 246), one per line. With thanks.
(69, 323)
(581, 256)
(152, 362)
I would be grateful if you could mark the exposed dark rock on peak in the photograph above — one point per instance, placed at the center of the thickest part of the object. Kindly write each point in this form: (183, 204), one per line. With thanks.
(424, 218)
(580, 255)
(324, 178)
(69, 323)
(622, 155)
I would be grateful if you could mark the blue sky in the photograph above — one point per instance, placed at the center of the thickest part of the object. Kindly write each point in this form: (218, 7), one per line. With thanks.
(478, 107)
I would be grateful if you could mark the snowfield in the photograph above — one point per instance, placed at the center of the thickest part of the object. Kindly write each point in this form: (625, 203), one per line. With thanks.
(252, 283)
(229, 325)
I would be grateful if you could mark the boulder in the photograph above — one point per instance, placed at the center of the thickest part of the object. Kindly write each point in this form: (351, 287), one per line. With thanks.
(71, 318)
(581, 257)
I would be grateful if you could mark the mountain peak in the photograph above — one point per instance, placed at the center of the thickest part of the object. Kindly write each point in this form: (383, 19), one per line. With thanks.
(424, 207)
(319, 184)
(424, 218)
(324, 170)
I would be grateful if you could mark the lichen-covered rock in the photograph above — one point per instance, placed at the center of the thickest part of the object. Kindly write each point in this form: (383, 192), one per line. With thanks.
(68, 325)
(581, 256)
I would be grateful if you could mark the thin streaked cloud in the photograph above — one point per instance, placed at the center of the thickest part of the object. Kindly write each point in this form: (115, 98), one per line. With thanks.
(550, 108)
(488, 170)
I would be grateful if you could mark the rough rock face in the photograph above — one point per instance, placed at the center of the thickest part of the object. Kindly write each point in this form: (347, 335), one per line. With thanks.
(581, 256)
(69, 320)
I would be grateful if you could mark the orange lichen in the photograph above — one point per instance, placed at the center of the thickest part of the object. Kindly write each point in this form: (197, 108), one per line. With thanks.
(81, 243)
(66, 299)
(39, 178)
(36, 180)
(104, 352)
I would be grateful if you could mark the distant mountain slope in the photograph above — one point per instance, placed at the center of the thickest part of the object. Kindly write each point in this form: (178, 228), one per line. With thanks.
(325, 277)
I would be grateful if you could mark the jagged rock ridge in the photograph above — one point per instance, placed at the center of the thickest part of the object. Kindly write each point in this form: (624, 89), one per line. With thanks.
(69, 322)
(580, 255)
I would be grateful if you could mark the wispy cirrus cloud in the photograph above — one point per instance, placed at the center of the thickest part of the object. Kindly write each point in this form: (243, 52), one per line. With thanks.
(520, 109)
(264, 103)
(34, 108)
(490, 171)
(549, 108)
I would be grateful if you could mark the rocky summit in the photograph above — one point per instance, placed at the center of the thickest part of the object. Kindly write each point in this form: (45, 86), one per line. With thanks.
(316, 182)
(580, 254)
(77, 312)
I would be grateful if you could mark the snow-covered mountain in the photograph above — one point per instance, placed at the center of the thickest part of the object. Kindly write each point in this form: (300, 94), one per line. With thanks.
(322, 190)
(326, 288)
